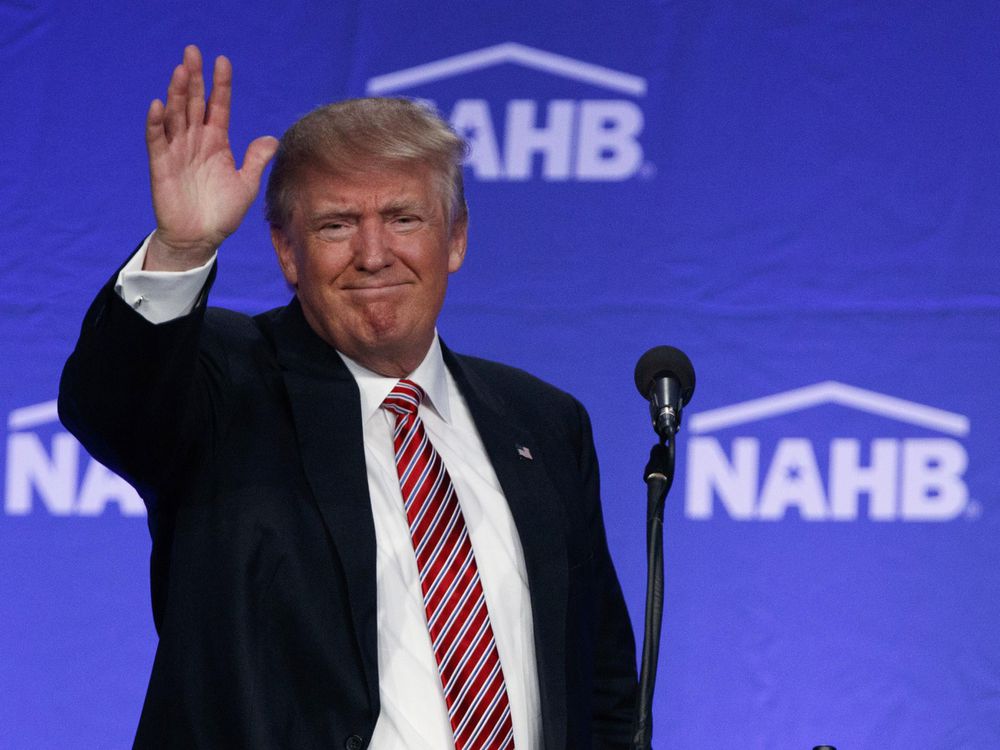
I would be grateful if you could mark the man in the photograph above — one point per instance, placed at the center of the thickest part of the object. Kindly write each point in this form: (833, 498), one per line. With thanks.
(360, 539)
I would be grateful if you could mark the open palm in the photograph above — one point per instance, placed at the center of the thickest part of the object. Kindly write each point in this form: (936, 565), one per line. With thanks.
(199, 195)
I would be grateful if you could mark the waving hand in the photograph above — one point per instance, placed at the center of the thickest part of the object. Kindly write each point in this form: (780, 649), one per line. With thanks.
(199, 196)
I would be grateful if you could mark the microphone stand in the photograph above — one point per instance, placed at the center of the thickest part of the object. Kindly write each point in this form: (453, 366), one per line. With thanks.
(659, 475)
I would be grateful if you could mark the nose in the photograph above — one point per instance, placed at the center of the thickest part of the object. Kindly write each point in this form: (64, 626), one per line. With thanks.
(372, 247)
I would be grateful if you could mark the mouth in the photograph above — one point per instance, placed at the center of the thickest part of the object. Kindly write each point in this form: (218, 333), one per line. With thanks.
(375, 288)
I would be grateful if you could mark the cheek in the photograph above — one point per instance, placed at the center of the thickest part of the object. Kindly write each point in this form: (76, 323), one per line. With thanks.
(321, 266)
(434, 261)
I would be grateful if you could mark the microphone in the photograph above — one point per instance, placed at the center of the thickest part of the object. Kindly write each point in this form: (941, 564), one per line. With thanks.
(665, 377)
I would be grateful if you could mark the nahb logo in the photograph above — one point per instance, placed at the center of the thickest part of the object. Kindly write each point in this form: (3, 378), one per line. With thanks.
(881, 477)
(48, 470)
(558, 139)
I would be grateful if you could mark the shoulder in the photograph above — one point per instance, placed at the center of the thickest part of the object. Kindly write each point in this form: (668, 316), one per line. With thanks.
(242, 341)
(231, 324)
(235, 328)
(517, 392)
(512, 381)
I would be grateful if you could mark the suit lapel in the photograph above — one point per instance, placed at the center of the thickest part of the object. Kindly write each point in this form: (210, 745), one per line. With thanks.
(540, 522)
(326, 409)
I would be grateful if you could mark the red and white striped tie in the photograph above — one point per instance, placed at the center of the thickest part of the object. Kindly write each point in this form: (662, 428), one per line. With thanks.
(459, 625)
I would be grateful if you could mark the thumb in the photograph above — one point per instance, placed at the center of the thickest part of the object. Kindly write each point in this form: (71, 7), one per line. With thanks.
(258, 154)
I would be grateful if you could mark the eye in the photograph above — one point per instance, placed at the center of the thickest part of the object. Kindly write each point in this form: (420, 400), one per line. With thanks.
(406, 222)
(334, 230)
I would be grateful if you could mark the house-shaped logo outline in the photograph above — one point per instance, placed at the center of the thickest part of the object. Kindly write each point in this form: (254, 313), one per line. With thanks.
(507, 52)
(830, 392)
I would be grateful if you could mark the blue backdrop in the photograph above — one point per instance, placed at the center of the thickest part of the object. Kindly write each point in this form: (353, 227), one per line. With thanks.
(803, 196)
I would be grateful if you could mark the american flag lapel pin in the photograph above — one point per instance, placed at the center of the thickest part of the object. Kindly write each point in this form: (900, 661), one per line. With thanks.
(524, 452)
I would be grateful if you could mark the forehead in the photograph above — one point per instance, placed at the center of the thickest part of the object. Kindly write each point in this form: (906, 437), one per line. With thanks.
(369, 186)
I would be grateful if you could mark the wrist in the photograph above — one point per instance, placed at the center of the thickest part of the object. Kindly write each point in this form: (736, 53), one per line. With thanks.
(163, 255)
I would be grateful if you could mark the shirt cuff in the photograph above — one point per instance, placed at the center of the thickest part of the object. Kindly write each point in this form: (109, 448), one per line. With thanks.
(160, 296)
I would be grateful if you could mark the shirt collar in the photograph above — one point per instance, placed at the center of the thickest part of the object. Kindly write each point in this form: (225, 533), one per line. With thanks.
(430, 375)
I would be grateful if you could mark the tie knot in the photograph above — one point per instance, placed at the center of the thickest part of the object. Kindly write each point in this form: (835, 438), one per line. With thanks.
(404, 398)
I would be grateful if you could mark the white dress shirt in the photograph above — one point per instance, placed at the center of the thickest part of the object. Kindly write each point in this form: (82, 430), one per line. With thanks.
(413, 714)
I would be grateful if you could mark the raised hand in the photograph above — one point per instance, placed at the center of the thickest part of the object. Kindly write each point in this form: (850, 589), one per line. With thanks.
(199, 196)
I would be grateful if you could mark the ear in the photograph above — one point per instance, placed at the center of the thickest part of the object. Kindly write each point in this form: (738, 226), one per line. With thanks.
(457, 242)
(285, 250)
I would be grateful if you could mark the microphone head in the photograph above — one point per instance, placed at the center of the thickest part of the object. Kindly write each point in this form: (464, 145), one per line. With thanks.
(665, 361)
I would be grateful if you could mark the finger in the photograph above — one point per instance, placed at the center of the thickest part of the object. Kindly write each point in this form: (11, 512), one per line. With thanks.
(156, 138)
(196, 88)
(258, 154)
(175, 116)
(222, 92)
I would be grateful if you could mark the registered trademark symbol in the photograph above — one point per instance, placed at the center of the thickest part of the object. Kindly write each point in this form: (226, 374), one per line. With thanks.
(973, 510)
(647, 171)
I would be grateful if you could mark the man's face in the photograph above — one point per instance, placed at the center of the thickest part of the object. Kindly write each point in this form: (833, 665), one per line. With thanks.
(369, 255)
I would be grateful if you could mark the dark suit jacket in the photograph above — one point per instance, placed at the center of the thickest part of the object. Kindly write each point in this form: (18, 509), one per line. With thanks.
(243, 435)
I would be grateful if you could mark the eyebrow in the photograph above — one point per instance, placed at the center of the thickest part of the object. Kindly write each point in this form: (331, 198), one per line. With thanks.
(392, 208)
(332, 213)
(402, 205)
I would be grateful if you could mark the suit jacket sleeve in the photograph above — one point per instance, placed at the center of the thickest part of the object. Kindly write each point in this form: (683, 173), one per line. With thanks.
(265, 640)
(615, 683)
(137, 397)
(129, 390)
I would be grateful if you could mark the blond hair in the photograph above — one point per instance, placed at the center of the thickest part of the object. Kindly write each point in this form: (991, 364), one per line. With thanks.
(347, 136)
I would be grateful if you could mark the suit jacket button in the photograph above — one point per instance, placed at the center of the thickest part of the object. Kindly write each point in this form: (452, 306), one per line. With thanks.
(354, 742)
